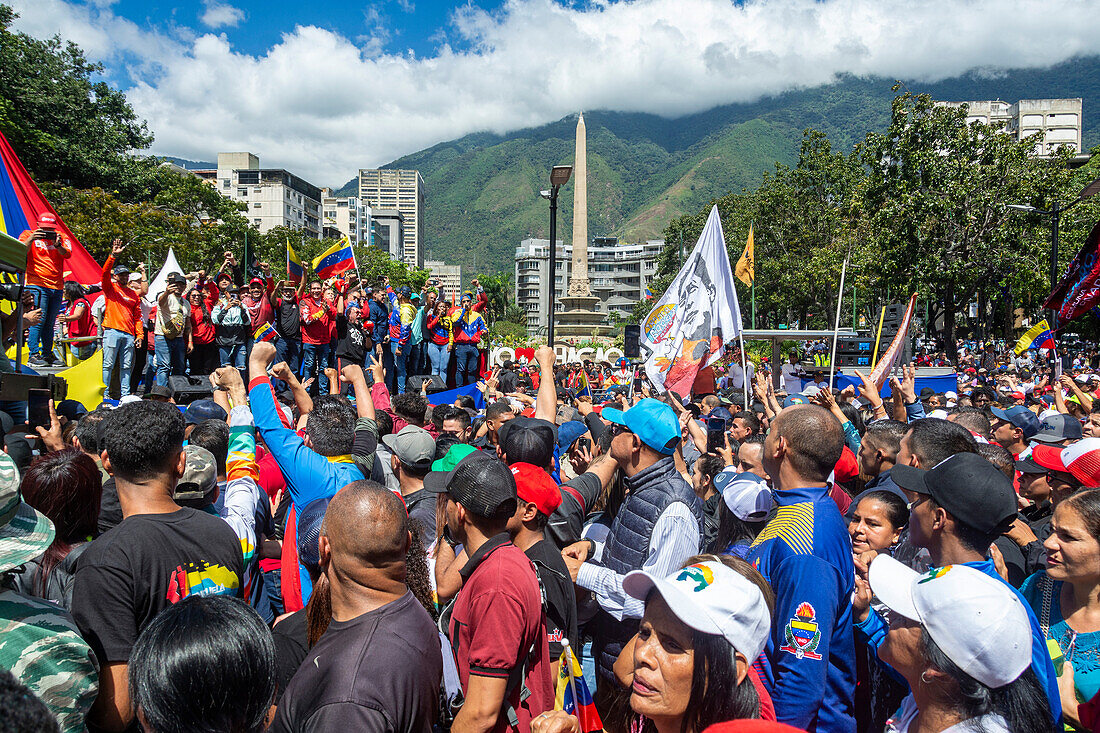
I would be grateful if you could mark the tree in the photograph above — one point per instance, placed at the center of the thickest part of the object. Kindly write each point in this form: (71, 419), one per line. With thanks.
(498, 291)
(64, 126)
(936, 194)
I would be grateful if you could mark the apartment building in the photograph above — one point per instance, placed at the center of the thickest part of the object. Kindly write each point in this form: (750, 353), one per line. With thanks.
(449, 277)
(1057, 121)
(401, 190)
(275, 197)
(617, 272)
(345, 216)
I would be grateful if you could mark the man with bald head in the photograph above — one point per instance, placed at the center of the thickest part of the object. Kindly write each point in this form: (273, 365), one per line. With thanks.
(806, 556)
(379, 665)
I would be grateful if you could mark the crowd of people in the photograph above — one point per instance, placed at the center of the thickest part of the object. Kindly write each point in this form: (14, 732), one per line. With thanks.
(359, 558)
(316, 547)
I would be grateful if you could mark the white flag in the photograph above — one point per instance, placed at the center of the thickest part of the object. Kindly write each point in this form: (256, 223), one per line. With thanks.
(696, 317)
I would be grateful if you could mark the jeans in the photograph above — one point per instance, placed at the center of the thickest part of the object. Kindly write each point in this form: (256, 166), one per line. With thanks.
(203, 359)
(388, 367)
(40, 337)
(117, 346)
(232, 355)
(440, 357)
(400, 361)
(171, 355)
(290, 351)
(313, 365)
(466, 364)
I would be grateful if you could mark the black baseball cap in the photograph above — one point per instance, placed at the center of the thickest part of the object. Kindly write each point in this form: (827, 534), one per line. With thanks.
(525, 438)
(481, 483)
(969, 487)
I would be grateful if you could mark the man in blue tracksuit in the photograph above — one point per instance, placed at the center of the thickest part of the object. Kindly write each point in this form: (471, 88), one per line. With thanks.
(805, 554)
(312, 471)
(956, 511)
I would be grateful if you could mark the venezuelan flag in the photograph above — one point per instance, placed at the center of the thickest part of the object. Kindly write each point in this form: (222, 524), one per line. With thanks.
(21, 203)
(294, 270)
(334, 260)
(266, 332)
(572, 693)
(1038, 336)
(583, 388)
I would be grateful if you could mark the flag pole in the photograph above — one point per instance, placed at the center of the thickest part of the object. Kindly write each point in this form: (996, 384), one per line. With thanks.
(753, 286)
(744, 367)
(878, 336)
(572, 682)
(836, 324)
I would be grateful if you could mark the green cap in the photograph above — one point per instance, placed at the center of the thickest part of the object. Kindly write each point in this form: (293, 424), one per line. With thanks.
(454, 456)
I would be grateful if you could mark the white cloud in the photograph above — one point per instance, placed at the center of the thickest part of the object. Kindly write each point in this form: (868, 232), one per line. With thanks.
(323, 104)
(219, 15)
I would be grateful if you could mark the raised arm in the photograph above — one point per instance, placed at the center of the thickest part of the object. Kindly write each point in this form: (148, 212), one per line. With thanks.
(546, 403)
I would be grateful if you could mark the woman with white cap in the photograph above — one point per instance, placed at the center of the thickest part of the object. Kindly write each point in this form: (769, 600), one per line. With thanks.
(743, 512)
(962, 640)
(689, 665)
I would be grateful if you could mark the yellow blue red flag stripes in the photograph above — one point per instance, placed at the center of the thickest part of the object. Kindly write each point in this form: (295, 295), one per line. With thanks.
(1038, 336)
(572, 693)
(294, 270)
(266, 332)
(334, 260)
(584, 389)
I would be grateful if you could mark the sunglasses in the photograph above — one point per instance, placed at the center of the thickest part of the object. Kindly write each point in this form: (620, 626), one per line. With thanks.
(1058, 476)
(617, 430)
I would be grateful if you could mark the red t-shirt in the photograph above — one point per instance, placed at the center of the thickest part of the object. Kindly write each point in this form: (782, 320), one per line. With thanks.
(46, 260)
(316, 317)
(497, 623)
(83, 326)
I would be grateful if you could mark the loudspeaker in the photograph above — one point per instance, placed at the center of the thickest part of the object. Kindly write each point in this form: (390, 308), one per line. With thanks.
(631, 334)
(435, 384)
(853, 360)
(188, 389)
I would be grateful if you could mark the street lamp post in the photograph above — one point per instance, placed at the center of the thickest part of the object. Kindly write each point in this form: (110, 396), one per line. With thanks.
(559, 176)
(1055, 213)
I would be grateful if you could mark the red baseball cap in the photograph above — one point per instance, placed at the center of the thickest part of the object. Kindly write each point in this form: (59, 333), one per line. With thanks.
(1081, 460)
(256, 281)
(847, 468)
(1017, 395)
(535, 486)
(46, 220)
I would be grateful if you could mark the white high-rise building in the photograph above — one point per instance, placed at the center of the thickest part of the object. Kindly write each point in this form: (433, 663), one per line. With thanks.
(449, 277)
(402, 190)
(1058, 121)
(275, 197)
(618, 274)
(347, 216)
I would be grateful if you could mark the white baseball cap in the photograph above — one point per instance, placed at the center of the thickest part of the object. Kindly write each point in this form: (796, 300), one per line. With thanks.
(941, 414)
(811, 390)
(711, 598)
(746, 494)
(976, 620)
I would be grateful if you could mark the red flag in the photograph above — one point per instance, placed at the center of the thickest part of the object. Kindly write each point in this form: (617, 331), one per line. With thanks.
(1079, 289)
(21, 203)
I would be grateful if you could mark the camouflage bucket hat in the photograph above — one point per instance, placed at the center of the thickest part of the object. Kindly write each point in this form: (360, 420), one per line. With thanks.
(25, 532)
(200, 474)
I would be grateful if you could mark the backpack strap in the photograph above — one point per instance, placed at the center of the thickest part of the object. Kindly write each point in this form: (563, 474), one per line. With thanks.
(1046, 586)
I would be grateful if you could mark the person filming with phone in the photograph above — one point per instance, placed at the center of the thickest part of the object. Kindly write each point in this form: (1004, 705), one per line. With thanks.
(47, 250)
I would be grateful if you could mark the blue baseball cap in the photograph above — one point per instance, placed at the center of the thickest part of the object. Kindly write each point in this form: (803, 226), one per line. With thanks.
(1021, 417)
(568, 433)
(652, 421)
(795, 399)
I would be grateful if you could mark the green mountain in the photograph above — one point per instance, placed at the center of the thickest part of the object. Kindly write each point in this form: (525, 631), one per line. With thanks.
(482, 190)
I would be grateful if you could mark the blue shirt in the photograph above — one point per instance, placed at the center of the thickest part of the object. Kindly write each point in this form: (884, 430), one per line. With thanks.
(809, 667)
(874, 629)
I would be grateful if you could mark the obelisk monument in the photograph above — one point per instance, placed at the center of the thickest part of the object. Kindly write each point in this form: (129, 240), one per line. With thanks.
(580, 317)
(578, 274)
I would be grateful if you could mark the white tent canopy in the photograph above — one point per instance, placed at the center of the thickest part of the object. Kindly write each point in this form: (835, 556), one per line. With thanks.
(158, 283)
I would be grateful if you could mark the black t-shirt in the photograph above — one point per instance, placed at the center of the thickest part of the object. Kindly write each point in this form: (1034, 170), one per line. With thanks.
(710, 518)
(378, 673)
(421, 506)
(353, 341)
(561, 600)
(577, 497)
(291, 637)
(288, 319)
(110, 511)
(149, 561)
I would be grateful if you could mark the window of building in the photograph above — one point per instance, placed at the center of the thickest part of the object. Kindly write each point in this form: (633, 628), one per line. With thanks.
(242, 191)
(256, 204)
(225, 183)
(256, 222)
(257, 190)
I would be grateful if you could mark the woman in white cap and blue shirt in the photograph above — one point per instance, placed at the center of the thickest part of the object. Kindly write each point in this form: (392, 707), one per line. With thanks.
(962, 640)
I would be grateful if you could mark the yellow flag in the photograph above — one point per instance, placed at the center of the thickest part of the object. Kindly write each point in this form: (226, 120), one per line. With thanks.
(745, 269)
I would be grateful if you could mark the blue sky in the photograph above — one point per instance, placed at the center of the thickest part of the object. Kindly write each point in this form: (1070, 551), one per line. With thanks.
(416, 25)
(325, 87)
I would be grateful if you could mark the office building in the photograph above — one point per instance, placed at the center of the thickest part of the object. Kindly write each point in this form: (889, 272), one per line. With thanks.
(449, 277)
(617, 274)
(274, 197)
(345, 217)
(404, 191)
(1057, 121)
(388, 232)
